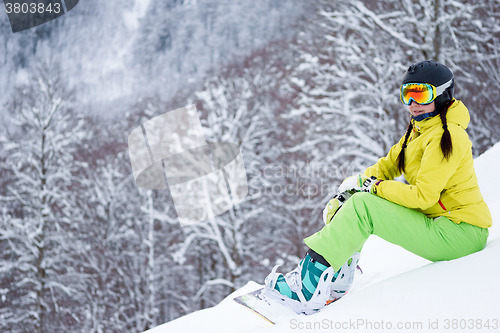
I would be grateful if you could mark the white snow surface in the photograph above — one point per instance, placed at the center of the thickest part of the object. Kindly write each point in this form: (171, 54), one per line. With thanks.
(398, 291)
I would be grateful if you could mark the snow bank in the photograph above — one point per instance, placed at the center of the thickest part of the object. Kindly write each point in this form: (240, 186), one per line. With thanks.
(398, 292)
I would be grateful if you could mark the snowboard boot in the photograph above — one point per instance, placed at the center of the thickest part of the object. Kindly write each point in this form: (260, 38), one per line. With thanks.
(311, 285)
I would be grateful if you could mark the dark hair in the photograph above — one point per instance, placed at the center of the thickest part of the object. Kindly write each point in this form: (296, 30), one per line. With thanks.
(401, 156)
(446, 145)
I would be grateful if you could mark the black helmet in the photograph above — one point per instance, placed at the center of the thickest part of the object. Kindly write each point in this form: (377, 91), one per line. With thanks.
(435, 73)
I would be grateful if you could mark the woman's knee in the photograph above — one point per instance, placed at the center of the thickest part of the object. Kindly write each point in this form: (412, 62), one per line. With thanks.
(360, 200)
(357, 204)
(365, 204)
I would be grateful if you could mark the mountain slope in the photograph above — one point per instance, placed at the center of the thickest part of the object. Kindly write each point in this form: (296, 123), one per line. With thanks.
(397, 291)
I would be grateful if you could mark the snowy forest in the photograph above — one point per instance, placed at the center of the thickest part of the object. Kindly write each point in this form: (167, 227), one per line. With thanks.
(309, 90)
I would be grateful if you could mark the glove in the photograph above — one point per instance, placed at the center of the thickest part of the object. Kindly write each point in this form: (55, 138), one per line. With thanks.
(359, 183)
(368, 184)
(334, 204)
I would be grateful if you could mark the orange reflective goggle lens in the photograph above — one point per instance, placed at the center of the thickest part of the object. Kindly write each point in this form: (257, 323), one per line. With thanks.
(421, 93)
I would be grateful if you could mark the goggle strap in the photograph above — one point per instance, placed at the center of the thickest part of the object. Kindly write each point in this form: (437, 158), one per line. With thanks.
(442, 88)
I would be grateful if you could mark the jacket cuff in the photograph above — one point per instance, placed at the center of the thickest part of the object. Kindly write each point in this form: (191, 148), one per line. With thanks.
(375, 187)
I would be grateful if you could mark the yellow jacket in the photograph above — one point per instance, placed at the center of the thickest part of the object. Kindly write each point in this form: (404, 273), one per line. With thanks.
(437, 187)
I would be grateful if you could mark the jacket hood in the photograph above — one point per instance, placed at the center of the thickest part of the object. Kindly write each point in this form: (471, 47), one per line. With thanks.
(457, 113)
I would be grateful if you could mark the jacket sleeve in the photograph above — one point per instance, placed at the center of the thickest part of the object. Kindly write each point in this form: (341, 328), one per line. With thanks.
(433, 175)
(387, 167)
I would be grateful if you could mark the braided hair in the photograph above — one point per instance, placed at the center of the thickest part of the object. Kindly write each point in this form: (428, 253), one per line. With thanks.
(401, 156)
(446, 145)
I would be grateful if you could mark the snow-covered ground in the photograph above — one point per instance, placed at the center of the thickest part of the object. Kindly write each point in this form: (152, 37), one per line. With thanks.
(397, 292)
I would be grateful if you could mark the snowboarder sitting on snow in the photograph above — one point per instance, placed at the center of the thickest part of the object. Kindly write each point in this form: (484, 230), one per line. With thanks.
(439, 215)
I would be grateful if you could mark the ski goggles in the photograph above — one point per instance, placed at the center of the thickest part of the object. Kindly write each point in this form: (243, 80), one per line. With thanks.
(421, 93)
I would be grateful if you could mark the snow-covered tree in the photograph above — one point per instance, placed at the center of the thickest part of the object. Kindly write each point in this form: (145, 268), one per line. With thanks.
(108, 241)
(38, 229)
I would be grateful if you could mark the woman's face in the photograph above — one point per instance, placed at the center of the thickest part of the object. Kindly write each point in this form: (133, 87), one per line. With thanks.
(418, 109)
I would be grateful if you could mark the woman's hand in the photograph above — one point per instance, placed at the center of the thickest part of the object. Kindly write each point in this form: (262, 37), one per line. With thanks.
(358, 183)
(334, 205)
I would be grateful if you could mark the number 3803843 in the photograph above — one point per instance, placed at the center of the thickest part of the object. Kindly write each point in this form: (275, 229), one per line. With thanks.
(32, 8)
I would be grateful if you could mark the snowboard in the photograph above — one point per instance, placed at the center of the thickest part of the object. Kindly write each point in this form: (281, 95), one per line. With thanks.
(266, 308)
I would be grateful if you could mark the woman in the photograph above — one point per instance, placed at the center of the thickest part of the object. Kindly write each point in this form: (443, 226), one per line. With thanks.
(439, 215)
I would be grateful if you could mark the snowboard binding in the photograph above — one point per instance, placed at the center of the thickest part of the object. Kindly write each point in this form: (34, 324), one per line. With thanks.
(330, 287)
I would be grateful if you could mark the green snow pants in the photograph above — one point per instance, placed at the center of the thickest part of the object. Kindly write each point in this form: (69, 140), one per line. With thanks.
(365, 214)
